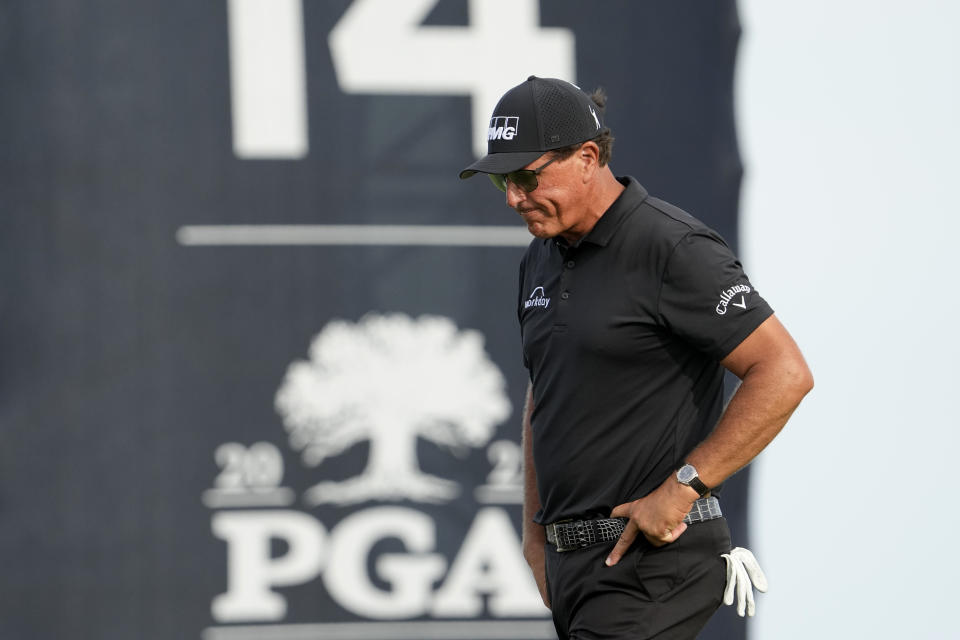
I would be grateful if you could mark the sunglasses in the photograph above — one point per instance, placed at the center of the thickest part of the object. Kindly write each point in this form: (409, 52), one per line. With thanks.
(526, 179)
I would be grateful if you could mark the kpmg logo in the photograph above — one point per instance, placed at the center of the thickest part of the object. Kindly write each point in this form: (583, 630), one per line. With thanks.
(503, 128)
(728, 295)
(388, 569)
(537, 299)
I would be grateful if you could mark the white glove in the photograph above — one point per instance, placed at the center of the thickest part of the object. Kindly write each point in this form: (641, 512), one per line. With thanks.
(743, 574)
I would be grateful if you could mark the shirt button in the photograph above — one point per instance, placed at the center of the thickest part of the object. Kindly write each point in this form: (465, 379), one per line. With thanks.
(570, 264)
(565, 295)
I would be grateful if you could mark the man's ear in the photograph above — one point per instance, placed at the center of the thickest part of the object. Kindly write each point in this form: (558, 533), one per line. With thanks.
(589, 156)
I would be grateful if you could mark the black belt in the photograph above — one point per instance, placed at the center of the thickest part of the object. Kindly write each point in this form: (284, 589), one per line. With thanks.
(569, 535)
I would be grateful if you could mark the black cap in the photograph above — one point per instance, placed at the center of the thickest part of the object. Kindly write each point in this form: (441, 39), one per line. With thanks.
(534, 117)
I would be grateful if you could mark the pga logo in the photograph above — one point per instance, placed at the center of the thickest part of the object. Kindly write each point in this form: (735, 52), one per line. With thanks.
(503, 128)
(488, 572)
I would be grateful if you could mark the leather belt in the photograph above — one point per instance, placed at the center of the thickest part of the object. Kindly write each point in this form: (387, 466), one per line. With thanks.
(570, 535)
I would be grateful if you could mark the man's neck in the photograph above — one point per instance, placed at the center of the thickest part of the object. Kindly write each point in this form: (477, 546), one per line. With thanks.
(597, 200)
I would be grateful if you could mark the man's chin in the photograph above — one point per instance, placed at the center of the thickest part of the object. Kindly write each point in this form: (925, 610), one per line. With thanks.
(538, 230)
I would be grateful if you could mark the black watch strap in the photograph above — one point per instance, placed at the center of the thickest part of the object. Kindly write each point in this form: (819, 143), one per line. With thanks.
(697, 485)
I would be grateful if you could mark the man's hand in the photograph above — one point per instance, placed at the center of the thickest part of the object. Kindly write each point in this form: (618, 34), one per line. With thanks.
(658, 516)
(743, 575)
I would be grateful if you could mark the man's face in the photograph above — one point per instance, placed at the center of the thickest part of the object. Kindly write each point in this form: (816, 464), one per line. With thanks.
(552, 208)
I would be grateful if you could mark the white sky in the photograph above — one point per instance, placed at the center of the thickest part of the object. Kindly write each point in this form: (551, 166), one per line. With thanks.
(849, 125)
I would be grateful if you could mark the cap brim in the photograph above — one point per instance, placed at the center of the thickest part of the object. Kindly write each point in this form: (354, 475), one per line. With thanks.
(501, 163)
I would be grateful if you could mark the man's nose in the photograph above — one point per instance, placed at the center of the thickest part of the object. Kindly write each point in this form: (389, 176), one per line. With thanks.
(515, 195)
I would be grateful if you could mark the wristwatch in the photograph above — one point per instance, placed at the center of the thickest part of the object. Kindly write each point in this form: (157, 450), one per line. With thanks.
(688, 475)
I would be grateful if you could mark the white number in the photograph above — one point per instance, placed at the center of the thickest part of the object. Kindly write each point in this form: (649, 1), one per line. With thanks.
(268, 86)
(379, 46)
(264, 466)
(505, 457)
(229, 457)
(259, 467)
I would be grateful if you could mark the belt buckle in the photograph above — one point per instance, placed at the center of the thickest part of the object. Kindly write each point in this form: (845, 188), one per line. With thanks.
(556, 539)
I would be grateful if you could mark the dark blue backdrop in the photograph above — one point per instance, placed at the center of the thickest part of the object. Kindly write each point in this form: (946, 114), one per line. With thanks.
(128, 358)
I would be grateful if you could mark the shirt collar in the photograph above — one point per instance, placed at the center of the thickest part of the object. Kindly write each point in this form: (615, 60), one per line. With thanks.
(613, 217)
(602, 232)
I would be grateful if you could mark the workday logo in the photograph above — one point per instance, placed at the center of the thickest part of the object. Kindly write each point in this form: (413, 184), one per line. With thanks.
(537, 299)
(503, 128)
(389, 380)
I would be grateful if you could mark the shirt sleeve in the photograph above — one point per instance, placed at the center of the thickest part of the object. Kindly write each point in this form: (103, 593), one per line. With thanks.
(706, 298)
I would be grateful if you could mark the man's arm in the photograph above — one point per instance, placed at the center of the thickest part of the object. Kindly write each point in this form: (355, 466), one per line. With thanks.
(775, 378)
(534, 536)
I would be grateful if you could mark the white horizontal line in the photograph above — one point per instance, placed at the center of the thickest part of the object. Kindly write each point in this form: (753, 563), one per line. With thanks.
(221, 498)
(452, 630)
(494, 494)
(355, 234)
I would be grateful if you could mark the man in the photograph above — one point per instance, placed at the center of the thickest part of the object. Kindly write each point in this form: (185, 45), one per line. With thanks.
(629, 310)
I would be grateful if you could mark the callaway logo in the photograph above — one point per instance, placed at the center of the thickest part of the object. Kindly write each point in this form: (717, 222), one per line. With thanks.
(728, 295)
(503, 128)
(537, 299)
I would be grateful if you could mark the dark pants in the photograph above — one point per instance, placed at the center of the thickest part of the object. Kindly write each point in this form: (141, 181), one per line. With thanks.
(665, 593)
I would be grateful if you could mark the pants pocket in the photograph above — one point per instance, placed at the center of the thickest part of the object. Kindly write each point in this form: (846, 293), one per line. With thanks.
(657, 570)
(663, 571)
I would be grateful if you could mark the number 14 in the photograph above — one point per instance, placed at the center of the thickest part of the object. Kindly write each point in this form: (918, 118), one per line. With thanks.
(381, 47)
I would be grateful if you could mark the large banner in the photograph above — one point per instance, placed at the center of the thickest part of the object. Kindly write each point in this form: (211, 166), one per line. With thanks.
(260, 370)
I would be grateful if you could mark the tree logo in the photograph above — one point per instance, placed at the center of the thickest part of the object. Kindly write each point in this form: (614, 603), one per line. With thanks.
(391, 379)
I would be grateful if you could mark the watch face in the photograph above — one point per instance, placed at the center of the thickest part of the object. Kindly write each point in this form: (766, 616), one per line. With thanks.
(686, 474)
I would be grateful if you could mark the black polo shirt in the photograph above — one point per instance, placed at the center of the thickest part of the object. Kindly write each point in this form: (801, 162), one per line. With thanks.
(622, 335)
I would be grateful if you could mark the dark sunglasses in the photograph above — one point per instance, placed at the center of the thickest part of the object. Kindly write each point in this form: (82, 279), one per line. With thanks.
(526, 179)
